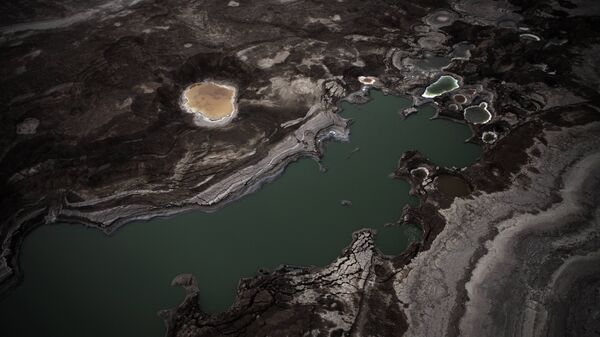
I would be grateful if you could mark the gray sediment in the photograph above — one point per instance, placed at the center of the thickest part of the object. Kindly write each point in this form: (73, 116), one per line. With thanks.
(458, 276)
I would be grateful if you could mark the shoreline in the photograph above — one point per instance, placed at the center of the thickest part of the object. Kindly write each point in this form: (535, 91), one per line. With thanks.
(325, 124)
(407, 284)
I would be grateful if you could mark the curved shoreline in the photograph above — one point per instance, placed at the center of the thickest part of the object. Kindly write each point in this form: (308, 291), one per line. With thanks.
(302, 143)
(427, 283)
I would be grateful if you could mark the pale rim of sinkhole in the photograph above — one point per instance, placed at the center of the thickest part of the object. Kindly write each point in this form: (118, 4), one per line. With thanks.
(482, 107)
(367, 80)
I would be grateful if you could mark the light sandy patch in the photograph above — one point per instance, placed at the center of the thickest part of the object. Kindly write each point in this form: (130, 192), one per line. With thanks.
(214, 103)
(280, 57)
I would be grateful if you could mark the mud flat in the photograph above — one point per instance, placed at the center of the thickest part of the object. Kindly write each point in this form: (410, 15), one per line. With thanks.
(478, 114)
(213, 104)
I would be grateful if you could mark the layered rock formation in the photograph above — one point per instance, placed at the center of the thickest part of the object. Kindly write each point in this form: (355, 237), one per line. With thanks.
(519, 259)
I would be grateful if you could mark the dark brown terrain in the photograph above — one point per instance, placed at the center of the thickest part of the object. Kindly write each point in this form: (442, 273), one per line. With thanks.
(92, 133)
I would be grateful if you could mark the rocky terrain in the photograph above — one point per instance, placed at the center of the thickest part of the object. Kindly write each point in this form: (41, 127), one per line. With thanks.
(92, 133)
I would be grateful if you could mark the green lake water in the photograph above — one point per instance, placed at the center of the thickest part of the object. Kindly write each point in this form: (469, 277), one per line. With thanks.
(79, 282)
(443, 85)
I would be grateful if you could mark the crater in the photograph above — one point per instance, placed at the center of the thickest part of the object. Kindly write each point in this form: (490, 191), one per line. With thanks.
(214, 103)
(478, 114)
(443, 85)
(367, 80)
(441, 18)
(489, 137)
(460, 99)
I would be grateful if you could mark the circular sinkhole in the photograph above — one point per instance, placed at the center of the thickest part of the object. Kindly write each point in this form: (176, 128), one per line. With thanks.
(443, 85)
(452, 185)
(489, 137)
(441, 18)
(420, 173)
(212, 103)
(478, 114)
